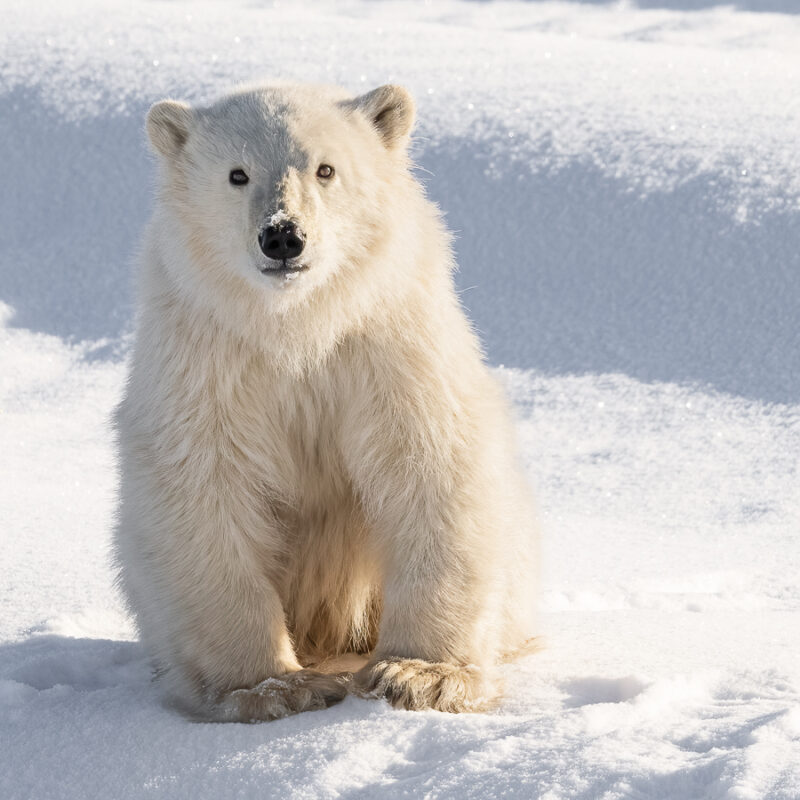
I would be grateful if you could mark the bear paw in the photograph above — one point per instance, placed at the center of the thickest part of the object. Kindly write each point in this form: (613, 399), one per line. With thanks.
(414, 684)
(282, 696)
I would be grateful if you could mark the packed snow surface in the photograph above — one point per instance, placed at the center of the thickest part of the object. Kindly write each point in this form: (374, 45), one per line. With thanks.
(624, 180)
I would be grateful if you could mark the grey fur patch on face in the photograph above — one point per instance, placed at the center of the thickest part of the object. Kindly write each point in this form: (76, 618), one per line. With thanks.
(254, 130)
(252, 133)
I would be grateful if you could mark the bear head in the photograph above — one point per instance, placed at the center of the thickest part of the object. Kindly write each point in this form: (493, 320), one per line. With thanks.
(284, 189)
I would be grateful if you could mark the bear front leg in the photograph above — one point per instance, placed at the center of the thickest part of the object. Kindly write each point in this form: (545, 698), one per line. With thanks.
(434, 648)
(198, 582)
(433, 516)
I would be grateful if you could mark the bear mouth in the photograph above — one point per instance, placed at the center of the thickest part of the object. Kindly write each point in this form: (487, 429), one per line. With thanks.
(284, 267)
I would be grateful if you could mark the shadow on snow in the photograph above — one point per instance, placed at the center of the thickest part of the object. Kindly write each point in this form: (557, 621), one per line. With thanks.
(565, 270)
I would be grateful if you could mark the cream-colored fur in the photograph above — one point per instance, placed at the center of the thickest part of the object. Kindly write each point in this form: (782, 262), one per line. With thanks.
(317, 463)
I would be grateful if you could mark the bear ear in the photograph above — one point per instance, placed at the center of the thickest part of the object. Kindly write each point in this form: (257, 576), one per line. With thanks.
(391, 111)
(168, 124)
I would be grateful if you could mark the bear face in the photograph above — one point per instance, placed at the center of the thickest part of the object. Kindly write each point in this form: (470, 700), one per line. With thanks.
(296, 179)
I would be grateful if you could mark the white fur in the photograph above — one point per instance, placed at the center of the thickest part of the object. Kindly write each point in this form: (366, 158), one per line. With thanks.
(316, 465)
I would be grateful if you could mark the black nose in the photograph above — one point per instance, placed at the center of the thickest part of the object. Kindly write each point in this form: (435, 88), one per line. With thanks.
(281, 241)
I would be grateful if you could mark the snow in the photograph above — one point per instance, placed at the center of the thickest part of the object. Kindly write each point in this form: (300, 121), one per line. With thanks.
(624, 179)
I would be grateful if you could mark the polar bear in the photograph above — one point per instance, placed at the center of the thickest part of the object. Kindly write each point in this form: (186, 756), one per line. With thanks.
(314, 458)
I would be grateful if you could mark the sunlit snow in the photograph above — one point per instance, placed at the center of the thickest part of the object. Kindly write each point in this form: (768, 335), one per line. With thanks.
(624, 182)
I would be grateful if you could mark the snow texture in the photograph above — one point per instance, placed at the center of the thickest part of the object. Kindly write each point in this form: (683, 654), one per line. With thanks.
(624, 179)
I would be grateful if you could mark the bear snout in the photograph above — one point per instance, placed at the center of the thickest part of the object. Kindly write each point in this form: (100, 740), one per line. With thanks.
(282, 242)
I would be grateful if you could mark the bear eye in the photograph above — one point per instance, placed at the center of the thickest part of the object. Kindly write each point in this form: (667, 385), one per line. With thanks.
(238, 177)
(324, 171)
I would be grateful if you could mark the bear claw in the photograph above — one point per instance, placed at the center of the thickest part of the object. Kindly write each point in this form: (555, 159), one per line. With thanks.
(414, 684)
(282, 696)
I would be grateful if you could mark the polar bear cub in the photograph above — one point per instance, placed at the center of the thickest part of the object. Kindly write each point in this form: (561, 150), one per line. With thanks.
(314, 458)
